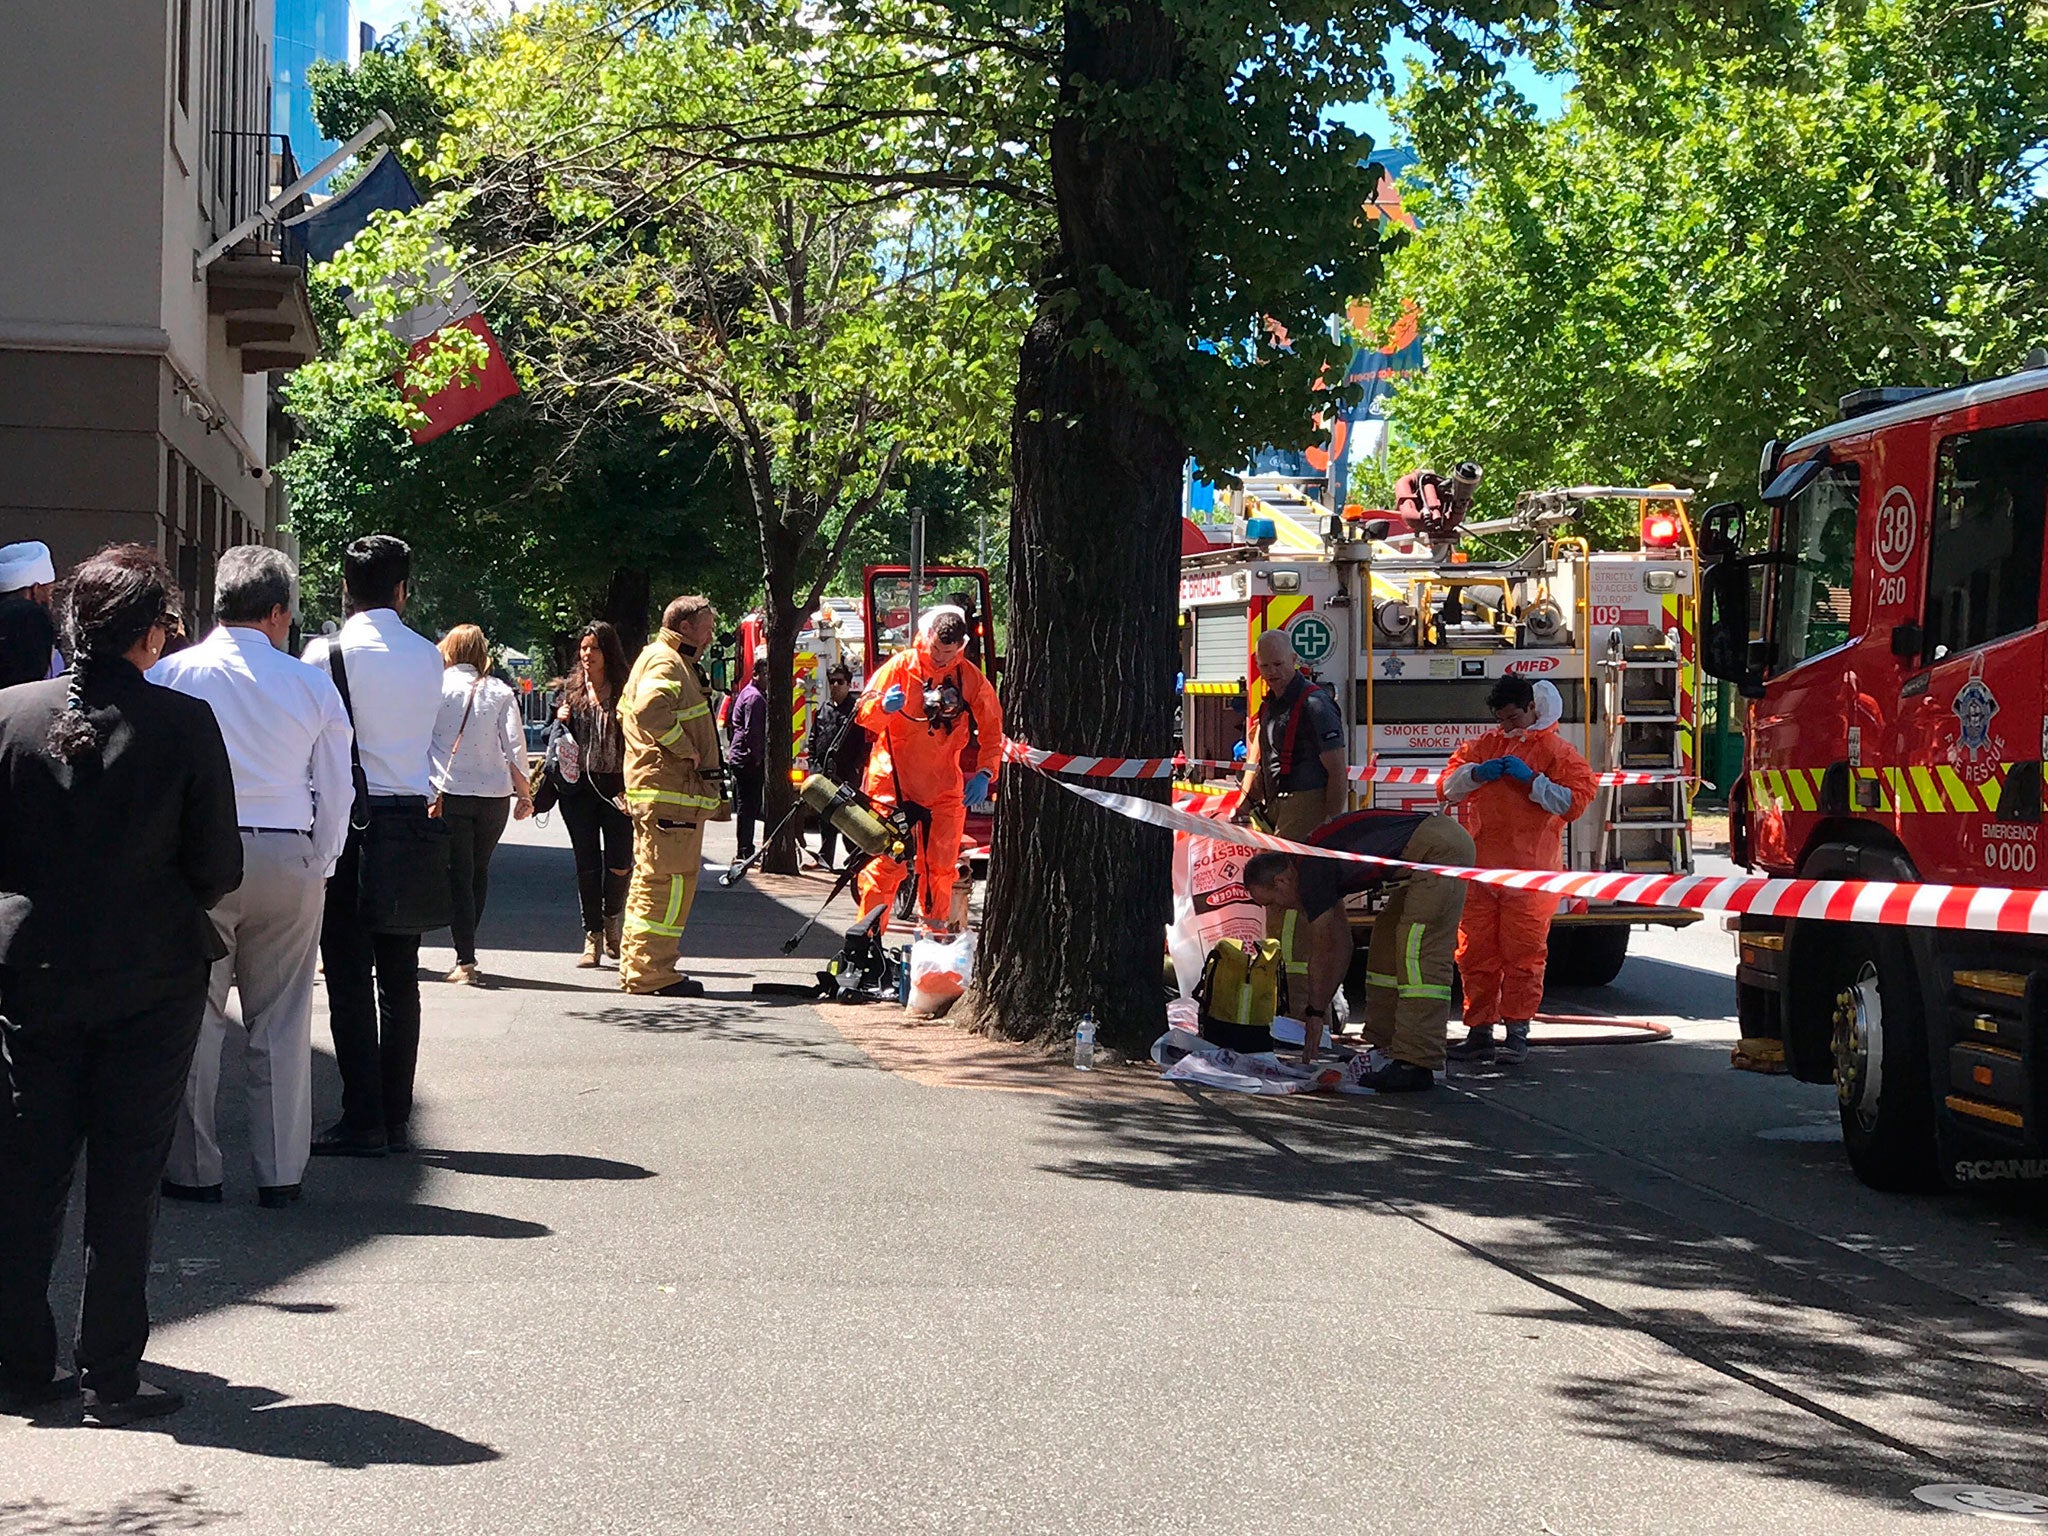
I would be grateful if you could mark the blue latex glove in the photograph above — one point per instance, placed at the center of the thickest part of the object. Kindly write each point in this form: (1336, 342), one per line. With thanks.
(892, 701)
(1488, 771)
(1517, 770)
(977, 789)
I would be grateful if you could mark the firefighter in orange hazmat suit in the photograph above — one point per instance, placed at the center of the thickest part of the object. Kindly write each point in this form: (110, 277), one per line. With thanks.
(916, 708)
(1516, 789)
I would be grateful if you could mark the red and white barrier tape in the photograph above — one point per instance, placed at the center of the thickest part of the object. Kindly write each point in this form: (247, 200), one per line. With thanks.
(1169, 767)
(1982, 908)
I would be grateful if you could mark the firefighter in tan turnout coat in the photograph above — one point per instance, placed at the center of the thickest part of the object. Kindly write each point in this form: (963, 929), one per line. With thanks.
(673, 786)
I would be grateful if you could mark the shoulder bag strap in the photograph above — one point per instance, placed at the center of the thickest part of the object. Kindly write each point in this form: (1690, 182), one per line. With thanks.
(466, 708)
(359, 816)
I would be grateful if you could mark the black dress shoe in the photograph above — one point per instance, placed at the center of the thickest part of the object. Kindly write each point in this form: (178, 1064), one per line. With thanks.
(339, 1140)
(396, 1139)
(26, 1397)
(683, 986)
(146, 1402)
(198, 1194)
(275, 1197)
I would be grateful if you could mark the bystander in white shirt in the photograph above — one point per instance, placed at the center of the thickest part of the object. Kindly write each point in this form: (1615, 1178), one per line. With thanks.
(286, 733)
(490, 758)
(394, 685)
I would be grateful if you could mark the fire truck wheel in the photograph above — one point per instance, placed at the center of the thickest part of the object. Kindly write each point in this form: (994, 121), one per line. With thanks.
(1586, 955)
(1879, 1043)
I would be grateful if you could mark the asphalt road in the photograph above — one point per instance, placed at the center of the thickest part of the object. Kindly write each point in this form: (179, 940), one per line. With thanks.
(709, 1267)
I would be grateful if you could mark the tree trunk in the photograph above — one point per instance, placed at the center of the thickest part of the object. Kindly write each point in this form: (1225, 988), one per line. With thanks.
(1078, 899)
(624, 606)
(784, 618)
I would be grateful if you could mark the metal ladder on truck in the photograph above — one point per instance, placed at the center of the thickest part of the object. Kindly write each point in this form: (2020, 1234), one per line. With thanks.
(1645, 828)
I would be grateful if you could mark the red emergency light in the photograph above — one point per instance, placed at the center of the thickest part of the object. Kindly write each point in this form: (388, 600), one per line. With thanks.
(1661, 530)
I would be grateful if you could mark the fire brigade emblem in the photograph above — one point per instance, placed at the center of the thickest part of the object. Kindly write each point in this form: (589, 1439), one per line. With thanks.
(1975, 752)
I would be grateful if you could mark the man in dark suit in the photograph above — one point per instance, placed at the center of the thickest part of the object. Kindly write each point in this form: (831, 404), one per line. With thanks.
(117, 834)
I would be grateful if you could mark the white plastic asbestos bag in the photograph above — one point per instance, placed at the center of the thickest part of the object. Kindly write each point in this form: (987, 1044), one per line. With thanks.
(1209, 898)
(939, 972)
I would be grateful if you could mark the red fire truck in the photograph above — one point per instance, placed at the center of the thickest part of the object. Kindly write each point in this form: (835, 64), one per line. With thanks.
(1889, 636)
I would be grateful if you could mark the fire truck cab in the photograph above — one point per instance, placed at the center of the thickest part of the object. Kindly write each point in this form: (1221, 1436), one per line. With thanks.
(1409, 628)
(1883, 617)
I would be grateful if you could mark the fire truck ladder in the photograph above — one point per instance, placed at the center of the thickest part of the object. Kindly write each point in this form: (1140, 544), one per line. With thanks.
(1644, 827)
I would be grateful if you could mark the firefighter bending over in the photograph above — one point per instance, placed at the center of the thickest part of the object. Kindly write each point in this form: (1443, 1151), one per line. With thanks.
(674, 784)
(1408, 962)
(916, 708)
(1517, 787)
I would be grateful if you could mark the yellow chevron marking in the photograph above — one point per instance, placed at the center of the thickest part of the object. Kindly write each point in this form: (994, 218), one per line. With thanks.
(1955, 791)
(1803, 785)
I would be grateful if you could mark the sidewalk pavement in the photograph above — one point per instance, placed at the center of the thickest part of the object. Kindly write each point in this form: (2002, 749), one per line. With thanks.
(729, 1266)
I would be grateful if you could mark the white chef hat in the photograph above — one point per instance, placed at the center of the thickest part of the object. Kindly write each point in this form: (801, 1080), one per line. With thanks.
(25, 565)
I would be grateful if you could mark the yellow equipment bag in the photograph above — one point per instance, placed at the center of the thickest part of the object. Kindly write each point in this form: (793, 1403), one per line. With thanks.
(1243, 986)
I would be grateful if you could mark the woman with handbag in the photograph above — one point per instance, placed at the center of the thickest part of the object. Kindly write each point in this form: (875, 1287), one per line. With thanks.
(479, 756)
(588, 773)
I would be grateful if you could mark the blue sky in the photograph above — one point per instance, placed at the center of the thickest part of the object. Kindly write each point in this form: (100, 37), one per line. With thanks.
(1546, 92)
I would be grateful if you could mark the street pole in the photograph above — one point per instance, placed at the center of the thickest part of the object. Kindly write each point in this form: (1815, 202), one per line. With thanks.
(916, 571)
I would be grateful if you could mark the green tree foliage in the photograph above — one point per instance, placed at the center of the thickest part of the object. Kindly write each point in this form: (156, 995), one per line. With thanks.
(540, 514)
(831, 319)
(1694, 259)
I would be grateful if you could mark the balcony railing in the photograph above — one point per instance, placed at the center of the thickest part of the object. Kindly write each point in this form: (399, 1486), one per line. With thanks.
(249, 169)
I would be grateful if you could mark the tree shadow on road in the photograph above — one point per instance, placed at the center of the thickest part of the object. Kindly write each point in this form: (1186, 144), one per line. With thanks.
(158, 1512)
(1821, 1365)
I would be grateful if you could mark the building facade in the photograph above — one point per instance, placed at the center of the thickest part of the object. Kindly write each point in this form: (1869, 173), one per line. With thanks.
(136, 398)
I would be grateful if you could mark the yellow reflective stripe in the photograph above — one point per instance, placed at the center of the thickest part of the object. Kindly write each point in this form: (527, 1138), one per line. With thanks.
(1376, 979)
(1415, 932)
(1988, 792)
(635, 924)
(677, 888)
(671, 736)
(1294, 967)
(695, 712)
(1443, 993)
(673, 690)
(671, 797)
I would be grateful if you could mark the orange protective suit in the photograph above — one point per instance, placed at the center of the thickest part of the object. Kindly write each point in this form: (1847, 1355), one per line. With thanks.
(917, 762)
(1504, 936)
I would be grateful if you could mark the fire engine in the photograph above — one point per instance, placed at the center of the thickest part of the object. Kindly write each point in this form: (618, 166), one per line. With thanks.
(1889, 639)
(1408, 627)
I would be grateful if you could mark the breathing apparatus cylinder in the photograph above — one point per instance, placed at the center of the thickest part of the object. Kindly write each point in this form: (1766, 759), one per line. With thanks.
(865, 830)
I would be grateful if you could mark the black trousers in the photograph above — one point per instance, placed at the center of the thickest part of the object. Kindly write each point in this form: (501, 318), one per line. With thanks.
(101, 1068)
(747, 786)
(602, 836)
(373, 1005)
(475, 823)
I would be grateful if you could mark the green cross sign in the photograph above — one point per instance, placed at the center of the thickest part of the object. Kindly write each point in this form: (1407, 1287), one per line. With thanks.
(1312, 638)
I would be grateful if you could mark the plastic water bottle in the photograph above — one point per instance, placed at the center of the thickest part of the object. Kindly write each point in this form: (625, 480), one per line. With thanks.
(1084, 1043)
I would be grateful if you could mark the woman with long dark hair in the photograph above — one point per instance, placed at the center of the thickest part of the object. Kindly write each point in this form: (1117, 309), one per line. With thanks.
(599, 828)
(117, 835)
